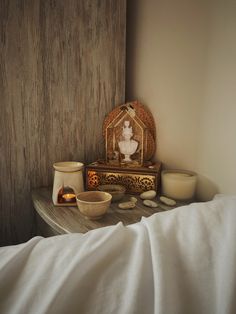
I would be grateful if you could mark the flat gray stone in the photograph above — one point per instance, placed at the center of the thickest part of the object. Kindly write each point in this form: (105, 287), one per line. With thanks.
(126, 205)
(167, 201)
(133, 199)
(150, 203)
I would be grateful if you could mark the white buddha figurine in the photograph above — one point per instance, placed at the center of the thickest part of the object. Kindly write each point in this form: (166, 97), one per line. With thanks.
(128, 146)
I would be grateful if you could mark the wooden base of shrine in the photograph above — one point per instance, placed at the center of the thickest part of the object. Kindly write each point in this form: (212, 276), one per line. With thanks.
(135, 179)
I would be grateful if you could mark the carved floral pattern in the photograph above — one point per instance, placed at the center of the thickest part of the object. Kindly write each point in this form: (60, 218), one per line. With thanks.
(134, 183)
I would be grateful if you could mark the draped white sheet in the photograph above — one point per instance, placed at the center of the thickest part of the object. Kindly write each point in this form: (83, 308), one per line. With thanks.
(180, 261)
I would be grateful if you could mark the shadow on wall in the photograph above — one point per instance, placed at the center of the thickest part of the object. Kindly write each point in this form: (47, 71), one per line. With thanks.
(206, 189)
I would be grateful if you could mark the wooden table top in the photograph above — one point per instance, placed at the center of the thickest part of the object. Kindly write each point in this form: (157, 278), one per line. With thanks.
(69, 219)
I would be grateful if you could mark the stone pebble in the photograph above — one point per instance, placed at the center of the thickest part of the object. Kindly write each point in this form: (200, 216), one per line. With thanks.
(148, 195)
(126, 205)
(150, 203)
(133, 199)
(167, 201)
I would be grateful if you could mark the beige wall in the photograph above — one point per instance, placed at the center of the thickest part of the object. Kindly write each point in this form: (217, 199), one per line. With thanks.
(217, 156)
(179, 64)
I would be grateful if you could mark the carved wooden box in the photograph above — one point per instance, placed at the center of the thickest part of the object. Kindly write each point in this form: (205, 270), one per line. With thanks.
(136, 180)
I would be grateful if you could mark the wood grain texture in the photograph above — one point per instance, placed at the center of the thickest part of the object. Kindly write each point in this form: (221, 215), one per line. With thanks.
(60, 220)
(62, 69)
(70, 220)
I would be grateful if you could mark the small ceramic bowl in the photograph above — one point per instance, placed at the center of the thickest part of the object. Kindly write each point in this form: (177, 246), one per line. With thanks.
(93, 204)
(117, 191)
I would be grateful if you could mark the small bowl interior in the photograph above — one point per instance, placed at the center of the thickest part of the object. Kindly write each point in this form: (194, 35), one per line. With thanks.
(112, 188)
(93, 197)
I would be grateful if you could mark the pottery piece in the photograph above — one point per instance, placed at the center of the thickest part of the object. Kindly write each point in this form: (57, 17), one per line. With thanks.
(150, 203)
(117, 191)
(126, 205)
(68, 166)
(68, 179)
(167, 201)
(148, 195)
(93, 204)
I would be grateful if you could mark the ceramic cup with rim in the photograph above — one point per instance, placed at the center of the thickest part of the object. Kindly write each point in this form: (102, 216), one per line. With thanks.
(93, 204)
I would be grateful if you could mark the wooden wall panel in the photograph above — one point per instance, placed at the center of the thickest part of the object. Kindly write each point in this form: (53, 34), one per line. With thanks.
(62, 69)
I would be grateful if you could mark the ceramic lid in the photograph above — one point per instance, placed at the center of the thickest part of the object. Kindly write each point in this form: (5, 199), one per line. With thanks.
(68, 166)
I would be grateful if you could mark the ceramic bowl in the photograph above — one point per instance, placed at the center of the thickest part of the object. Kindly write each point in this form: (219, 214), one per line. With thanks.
(93, 204)
(117, 191)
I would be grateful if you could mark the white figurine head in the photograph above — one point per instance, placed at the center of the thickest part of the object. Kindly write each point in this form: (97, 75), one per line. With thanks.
(126, 123)
(127, 130)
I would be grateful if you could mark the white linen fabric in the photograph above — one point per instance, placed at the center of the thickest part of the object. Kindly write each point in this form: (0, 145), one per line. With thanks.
(180, 261)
